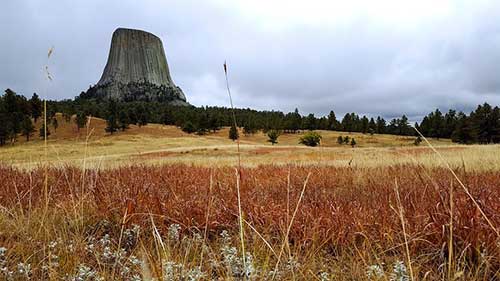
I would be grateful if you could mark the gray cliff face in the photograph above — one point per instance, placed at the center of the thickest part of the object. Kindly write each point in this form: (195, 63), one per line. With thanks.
(137, 69)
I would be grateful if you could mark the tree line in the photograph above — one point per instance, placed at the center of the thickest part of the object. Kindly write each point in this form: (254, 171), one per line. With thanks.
(18, 115)
(480, 126)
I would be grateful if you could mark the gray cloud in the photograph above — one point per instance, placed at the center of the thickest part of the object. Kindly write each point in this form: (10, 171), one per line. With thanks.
(347, 58)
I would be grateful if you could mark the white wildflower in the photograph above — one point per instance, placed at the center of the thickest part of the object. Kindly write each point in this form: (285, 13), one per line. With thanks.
(24, 270)
(399, 272)
(105, 240)
(52, 245)
(107, 255)
(249, 267)
(71, 246)
(90, 248)
(54, 261)
(130, 236)
(226, 239)
(324, 276)
(374, 272)
(232, 261)
(174, 232)
(134, 261)
(292, 264)
(85, 273)
(275, 274)
(194, 274)
(197, 237)
(130, 267)
(135, 277)
(4, 269)
(172, 271)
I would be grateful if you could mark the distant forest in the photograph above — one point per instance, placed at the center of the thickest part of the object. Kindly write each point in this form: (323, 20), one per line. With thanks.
(18, 115)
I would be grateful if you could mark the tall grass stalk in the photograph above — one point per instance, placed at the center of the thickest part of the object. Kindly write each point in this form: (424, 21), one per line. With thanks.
(84, 164)
(403, 225)
(120, 237)
(46, 177)
(450, 241)
(285, 241)
(441, 158)
(205, 232)
(238, 171)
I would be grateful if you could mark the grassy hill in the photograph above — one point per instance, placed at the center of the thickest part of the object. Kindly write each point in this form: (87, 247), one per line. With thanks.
(158, 144)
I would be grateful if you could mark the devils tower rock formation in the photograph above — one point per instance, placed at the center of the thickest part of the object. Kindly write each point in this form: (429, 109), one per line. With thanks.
(136, 70)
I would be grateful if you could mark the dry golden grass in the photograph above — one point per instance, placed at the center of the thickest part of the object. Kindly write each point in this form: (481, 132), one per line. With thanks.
(156, 145)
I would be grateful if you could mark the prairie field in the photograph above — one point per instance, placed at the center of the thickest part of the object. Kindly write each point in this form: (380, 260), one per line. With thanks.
(156, 203)
(158, 145)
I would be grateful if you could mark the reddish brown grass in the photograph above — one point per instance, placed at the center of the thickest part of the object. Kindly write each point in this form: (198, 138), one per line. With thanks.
(342, 208)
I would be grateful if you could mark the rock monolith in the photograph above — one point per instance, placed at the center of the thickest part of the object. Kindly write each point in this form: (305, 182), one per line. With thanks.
(136, 70)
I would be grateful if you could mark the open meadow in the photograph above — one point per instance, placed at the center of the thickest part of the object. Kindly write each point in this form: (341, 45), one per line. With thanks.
(156, 203)
(159, 144)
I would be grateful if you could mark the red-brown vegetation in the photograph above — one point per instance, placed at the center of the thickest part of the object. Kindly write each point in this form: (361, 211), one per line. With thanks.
(342, 207)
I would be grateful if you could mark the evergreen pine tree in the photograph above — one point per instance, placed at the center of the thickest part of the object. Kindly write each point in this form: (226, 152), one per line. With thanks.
(309, 122)
(27, 128)
(249, 128)
(272, 136)
(353, 142)
(233, 133)
(372, 126)
(403, 127)
(296, 120)
(214, 122)
(364, 124)
(188, 127)
(80, 120)
(167, 118)
(123, 120)
(4, 123)
(55, 124)
(112, 117)
(450, 122)
(465, 131)
(333, 123)
(42, 132)
(381, 126)
(36, 107)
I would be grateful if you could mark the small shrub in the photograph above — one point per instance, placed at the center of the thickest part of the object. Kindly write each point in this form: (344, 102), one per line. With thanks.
(417, 141)
(353, 142)
(340, 140)
(42, 131)
(273, 136)
(310, 139)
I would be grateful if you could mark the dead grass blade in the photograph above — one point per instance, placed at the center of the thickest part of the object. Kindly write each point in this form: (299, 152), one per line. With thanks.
(403, 224)
(461, 184)
(285, 241)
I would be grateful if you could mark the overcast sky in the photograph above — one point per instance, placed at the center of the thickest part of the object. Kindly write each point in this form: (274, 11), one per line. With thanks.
(384, 57)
